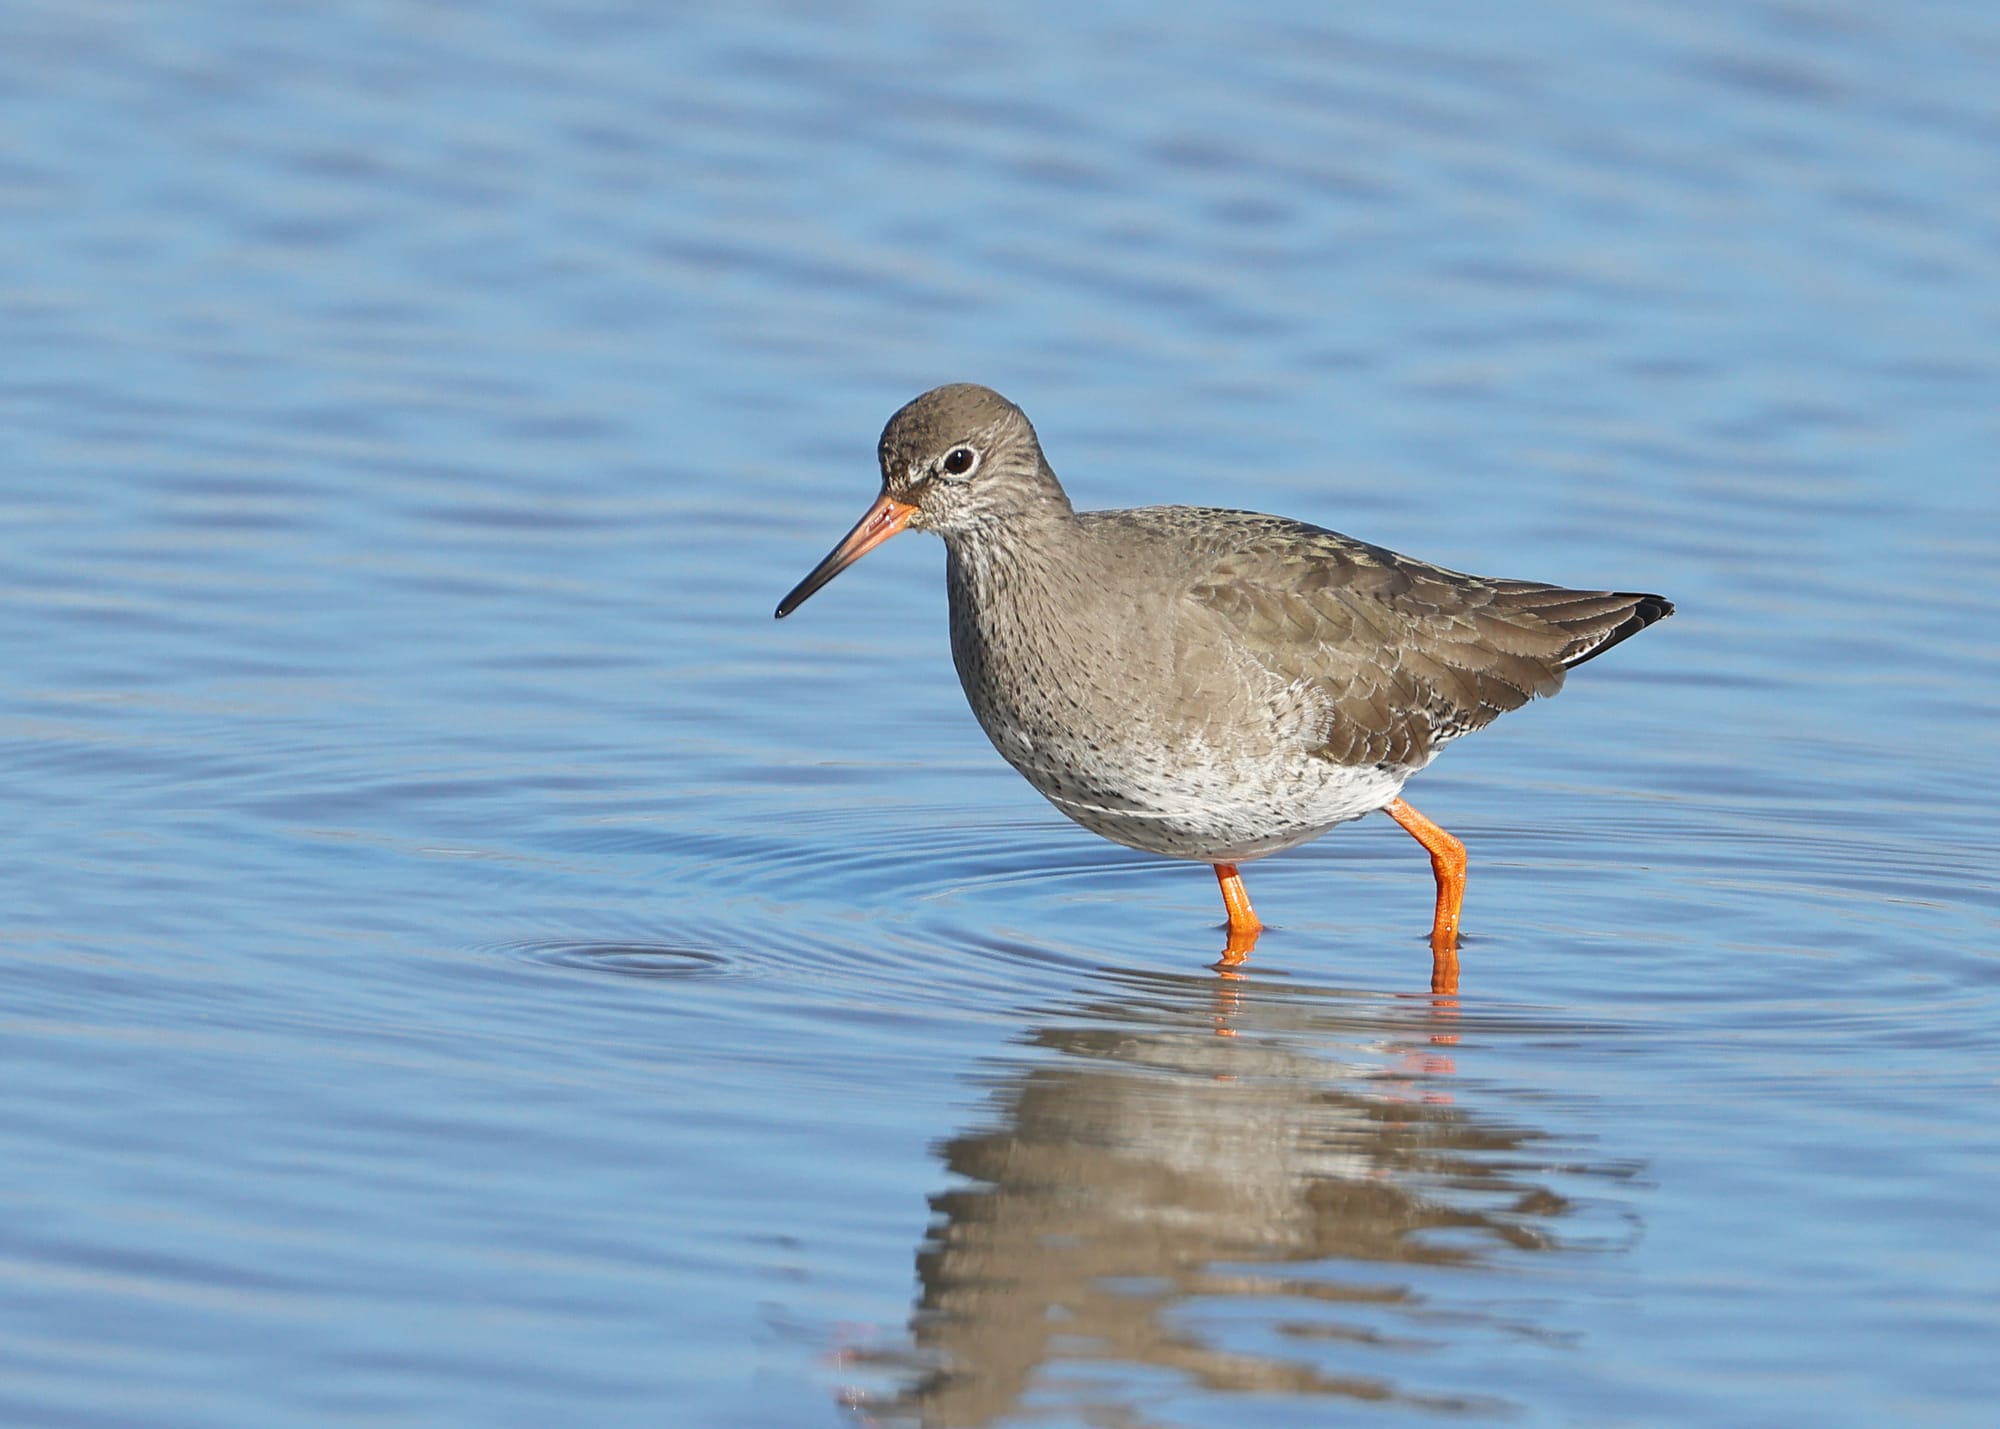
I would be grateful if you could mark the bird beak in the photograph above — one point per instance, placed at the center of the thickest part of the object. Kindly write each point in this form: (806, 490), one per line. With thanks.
(883, 520)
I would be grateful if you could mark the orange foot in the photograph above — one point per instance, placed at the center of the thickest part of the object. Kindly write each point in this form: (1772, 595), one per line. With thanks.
(1243, 924)
(1448, 868)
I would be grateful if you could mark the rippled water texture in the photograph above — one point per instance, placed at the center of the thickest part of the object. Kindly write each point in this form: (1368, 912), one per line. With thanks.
(462, 963)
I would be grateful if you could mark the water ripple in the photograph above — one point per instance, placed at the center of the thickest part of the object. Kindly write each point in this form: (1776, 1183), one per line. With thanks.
(626, 959)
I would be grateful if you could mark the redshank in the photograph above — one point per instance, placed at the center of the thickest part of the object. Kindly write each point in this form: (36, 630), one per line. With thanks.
(1206, 684)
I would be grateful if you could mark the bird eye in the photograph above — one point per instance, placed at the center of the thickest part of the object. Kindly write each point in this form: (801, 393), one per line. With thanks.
(960, 460)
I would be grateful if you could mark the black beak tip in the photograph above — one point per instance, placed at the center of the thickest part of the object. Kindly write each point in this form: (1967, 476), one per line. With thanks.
(795, 598)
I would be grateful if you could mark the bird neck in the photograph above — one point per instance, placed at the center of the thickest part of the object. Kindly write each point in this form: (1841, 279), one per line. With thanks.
(1023, 560)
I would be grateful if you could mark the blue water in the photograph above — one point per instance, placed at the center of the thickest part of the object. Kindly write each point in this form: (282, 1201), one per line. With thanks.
(462, 963)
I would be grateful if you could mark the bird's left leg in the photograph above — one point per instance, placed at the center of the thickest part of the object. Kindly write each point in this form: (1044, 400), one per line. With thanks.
(1448, 866)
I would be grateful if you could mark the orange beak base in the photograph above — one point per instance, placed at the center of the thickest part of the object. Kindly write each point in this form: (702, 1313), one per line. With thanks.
(883, 520)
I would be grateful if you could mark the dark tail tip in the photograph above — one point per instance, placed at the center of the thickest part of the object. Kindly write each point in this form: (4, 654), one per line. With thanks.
(1646, 610)
(1649, 608)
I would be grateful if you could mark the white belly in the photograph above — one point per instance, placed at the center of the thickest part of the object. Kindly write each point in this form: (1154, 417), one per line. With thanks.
(1190, 806)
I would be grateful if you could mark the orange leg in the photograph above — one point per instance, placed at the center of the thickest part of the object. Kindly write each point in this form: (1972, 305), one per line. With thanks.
(1243, 924)
(1448, 864)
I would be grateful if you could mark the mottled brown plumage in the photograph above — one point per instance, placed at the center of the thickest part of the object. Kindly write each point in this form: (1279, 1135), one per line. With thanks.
(1407, 654)
(1210, 684)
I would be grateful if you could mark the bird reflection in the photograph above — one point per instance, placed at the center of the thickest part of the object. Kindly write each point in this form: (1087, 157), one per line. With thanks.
(1137, 1173)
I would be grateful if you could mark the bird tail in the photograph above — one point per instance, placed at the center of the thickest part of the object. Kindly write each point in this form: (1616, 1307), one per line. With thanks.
(1599, 620)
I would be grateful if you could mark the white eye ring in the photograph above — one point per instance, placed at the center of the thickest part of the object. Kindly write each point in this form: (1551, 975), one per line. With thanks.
(959, 463)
